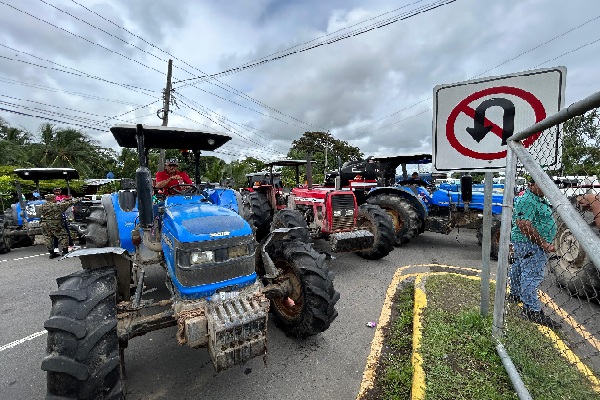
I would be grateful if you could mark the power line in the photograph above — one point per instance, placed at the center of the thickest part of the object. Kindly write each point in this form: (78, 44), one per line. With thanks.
(224, 127)
(203, 124)
(77, 73)
(81, 37)
(51, 89)
(50, 119)
(258, 130)
(264, 60)
(490, 69)
(243, 95)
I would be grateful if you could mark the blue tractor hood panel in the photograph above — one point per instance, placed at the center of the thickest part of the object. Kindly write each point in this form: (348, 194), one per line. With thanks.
(451, 195)
(199, 221)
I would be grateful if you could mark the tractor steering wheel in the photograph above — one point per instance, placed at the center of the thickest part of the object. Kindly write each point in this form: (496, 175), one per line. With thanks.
(182, 188)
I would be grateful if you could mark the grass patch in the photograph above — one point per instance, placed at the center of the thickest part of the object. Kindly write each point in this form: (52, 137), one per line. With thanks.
(459, 355)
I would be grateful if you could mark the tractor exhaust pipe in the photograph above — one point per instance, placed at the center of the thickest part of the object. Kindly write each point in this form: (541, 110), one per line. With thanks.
(309, 177)
(143, 180)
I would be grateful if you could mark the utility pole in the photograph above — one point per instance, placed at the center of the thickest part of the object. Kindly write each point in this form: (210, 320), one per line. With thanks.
(165, 116)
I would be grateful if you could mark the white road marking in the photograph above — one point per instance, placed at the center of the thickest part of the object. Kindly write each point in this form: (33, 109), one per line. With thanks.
(23, 258)
(25, 339)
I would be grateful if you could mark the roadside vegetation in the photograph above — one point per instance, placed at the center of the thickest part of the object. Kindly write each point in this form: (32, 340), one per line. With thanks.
(459, 355)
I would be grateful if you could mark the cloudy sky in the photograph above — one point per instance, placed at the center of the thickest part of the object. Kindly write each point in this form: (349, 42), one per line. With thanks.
(96, 63)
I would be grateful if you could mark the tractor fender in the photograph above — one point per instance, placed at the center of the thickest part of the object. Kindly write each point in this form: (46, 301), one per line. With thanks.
(415, 200)
(100, 257)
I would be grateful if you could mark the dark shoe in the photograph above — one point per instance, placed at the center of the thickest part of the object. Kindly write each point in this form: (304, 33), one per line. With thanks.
(513, 298)
(540, 318)
(65, 251)
(53, 255)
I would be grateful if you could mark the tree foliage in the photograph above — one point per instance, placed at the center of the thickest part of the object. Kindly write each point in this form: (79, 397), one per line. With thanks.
(581, 144)
(325, 150)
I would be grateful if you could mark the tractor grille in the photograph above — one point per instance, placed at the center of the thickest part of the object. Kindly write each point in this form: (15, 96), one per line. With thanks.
(342, 212)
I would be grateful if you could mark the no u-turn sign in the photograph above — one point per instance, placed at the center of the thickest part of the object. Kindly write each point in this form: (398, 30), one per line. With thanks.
(473, 119)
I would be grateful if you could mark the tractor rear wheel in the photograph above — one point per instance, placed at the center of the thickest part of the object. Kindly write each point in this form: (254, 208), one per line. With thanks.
(4, 241)
(405, 218)
(258, 213)
(379, 223)
(292, 219)
(97, 231)
(495, 238)
(83, 360)
(574, 271)
(310, 308)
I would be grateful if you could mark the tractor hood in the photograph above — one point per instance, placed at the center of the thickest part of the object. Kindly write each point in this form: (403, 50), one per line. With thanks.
(209, 222)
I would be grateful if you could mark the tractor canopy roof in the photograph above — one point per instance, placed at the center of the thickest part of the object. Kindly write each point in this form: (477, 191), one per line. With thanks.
(40, 174)
(406, 159)
(287, 163)
(166, 137)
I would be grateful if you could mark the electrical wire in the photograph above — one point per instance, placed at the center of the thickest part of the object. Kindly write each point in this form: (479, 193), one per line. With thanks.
(243, 95)
(81, 37)
(55, 90)
(261, 61)
(50, 119)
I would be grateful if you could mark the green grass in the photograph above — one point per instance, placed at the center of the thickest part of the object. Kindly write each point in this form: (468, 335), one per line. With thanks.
(459, 355)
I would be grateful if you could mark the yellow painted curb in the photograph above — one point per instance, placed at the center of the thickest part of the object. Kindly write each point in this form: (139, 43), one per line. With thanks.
(418, 382)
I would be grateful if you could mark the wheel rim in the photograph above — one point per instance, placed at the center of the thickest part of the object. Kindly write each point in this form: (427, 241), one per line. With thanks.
(290, 306)
(569, 249)
(398, 223)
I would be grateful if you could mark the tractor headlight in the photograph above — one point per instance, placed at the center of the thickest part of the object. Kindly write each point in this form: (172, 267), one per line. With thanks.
(337, 213)
(202, 257)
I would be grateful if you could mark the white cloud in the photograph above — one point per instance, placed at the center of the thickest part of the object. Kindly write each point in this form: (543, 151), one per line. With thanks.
(347, 87)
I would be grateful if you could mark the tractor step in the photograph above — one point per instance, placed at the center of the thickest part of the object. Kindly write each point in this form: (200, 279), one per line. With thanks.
(237, 329)
(342, 242)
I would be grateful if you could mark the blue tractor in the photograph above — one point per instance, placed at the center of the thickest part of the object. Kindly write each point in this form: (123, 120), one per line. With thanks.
(417, 206)
(222, 284)
(21, 221)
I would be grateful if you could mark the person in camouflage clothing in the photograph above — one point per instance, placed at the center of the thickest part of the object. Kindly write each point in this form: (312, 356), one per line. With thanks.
(53, 224)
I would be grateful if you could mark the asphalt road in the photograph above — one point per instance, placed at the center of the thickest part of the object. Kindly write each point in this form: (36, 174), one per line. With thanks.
(327, 366)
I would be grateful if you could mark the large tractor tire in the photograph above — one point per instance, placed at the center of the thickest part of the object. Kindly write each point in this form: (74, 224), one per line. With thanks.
(83, 360)
(310, 308)
(292, 219)
(21, 241)
(379, 223)
(574, 271)
(495, 248)
(406, 220)
(97, 231)
(4, 241)
(258, 213)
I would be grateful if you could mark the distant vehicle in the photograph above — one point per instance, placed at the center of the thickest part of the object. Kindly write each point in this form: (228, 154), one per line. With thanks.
(21, 222)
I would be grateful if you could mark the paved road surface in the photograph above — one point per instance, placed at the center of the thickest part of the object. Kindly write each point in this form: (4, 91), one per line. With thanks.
(327, 366)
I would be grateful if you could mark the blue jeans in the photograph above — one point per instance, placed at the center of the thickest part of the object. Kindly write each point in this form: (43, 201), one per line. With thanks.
(526, 273)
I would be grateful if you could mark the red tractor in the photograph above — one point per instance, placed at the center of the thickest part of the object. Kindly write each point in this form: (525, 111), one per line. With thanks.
(325, 212)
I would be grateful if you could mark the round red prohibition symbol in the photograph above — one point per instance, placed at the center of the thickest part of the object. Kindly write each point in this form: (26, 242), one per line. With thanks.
(463, 106)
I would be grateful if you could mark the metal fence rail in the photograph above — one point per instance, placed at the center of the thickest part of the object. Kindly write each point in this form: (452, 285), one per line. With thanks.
(563, 299)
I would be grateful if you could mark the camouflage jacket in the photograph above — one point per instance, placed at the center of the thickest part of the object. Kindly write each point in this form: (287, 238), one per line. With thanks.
(53, 211)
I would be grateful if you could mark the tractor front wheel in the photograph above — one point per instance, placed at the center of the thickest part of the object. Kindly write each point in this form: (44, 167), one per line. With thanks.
(292, 219)
(379, 223)
(4, 241)
(574, 271)
(83, 360)
(258, 213)
(405, 218)
(310, 307)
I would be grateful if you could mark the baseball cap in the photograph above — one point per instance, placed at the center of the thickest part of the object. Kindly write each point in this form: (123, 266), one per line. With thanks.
(55, 189)
(171, 161)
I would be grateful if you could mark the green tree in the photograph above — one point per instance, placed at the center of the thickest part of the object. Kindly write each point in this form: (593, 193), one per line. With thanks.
(14, 145)
(581, 144)
(68, 147)
(325, 151)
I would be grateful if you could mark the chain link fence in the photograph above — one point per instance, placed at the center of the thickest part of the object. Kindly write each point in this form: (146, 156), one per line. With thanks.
(548, 283)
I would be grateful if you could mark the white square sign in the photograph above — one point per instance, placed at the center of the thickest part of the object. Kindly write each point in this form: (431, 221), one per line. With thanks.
(473, 119)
